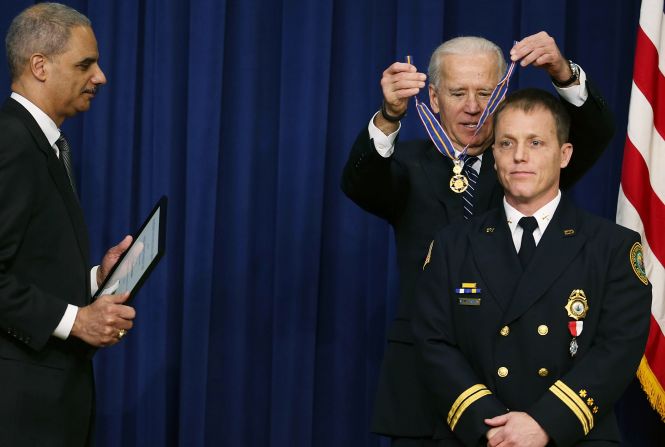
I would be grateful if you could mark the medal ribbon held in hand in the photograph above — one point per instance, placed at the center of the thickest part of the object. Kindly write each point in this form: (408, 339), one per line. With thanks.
(459, 183)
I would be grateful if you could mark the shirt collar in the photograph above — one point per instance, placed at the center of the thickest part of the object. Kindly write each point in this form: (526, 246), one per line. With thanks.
(473, 165)
(543, 215)
(46, 124)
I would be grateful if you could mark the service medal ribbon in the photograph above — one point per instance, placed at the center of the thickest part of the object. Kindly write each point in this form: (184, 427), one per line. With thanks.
(434, 129)
(459, 183)
(575, 328)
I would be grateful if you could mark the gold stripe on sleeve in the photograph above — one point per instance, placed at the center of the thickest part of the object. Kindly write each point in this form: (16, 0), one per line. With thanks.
(578, 401)
(572, 406)
(466, 398)
(462, 408)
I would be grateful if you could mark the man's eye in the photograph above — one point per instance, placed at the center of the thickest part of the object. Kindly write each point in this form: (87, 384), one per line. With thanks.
(504, 143)
(536, 143)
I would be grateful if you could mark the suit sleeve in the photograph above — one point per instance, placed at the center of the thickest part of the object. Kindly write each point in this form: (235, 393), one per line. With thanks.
(587, 392)
(26, 313)
(376, 184)
(591, 129)
(462, 400)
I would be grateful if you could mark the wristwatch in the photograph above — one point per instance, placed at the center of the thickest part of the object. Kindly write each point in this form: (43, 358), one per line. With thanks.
(575, 70)
(391, 118)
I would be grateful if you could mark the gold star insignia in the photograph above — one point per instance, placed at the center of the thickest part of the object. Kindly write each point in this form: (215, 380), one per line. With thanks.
(582, 393)
(595, 409)
(589, 401)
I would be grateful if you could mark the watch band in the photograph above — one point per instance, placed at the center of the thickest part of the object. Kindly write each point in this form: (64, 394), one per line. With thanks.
(575, 70)
(391, 118)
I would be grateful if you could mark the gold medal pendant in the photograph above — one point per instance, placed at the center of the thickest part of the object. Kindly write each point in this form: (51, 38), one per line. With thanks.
(458, 182)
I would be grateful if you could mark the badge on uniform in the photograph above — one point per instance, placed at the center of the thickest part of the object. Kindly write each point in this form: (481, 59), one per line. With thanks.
(637, 262)
(577, 308)
(468, 288)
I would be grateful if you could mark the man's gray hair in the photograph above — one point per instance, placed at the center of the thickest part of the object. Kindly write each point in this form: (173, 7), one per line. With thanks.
(43, 28)
(463, 45)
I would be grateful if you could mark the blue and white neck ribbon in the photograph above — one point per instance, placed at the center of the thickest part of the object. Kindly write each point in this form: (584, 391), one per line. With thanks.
(498, 95)
(434, 129)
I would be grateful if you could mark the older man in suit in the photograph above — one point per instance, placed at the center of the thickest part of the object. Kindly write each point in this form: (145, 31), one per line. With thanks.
(532, 318)
(48, 326)
(408, 183)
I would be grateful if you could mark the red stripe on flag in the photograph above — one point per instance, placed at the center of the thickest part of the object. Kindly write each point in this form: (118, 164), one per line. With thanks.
(637, 188)
(649, 79)
(655, 351)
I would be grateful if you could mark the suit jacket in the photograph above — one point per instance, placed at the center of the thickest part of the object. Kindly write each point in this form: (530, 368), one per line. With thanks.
(410, 190)
(503, 343)
(47, 396)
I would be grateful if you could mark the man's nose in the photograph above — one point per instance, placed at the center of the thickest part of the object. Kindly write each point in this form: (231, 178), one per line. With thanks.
(472, 105)
(521, 153)
(99, 78)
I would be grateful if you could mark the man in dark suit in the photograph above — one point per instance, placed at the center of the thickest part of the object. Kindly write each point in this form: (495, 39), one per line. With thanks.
(48, 327)
(408, 183)
(532, 318)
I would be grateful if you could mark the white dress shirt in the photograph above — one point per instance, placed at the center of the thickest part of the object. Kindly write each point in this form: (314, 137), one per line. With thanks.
(543, 217)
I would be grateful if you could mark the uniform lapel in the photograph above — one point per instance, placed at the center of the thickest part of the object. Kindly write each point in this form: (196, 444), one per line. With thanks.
(495, 256)
(58, 174)
(559, 245)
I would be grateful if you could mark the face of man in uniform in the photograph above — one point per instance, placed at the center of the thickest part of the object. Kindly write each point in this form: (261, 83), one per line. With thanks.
(465, 85)
(529, 157)
(72, 77)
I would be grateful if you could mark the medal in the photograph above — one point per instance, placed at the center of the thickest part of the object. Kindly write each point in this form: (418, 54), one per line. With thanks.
(573, 347)
(458, 182)
(577, 308)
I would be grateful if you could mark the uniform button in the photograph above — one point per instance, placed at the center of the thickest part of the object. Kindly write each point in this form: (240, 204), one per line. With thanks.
(543, 372)
(502, 372)
(505, 331)
(543, 329)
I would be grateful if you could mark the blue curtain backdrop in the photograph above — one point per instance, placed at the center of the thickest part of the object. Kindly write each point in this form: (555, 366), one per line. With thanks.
(264, 324)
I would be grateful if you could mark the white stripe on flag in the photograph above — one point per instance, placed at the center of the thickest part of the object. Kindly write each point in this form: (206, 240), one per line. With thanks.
(652, 25)
(646, 139)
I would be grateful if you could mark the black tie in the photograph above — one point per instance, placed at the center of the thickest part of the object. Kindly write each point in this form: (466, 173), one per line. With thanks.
(472, 176)
(66, 158)
(528, 246)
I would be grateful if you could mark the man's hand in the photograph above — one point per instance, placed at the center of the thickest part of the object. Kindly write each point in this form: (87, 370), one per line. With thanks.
(515, 429)
(399, 82)
(110, 258)
(99, 324)
(540, 50)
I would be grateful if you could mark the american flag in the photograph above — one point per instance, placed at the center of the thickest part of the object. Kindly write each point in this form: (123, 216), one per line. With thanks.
(642, 193)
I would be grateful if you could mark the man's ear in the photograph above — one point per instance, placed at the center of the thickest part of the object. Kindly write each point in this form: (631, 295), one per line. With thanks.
(38, 66)
(566, 153)
(433, 99)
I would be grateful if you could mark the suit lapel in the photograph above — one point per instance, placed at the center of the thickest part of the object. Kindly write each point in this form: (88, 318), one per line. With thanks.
(438, 170)
(495, 256)
(57, 172)
(559, 245)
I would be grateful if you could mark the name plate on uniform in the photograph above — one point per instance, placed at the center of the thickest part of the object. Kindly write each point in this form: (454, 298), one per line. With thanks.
(465, 301)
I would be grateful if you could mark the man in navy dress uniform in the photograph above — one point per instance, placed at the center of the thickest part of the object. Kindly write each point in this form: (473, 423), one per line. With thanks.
(531, 319)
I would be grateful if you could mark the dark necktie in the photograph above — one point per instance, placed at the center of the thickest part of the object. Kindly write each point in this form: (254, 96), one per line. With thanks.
(66, 158)
(528, 246)
(472, 176)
